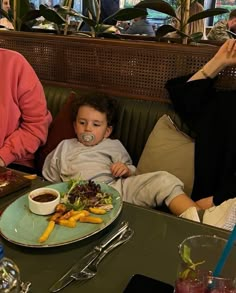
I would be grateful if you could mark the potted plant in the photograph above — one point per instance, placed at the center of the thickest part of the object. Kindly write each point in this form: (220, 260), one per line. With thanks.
(22, 14)
(183, 20)
(99, 27)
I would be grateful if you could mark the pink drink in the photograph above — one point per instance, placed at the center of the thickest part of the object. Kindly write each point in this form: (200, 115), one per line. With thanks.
(223, 291)
(198, 257)
(196, 286)
(189, 286)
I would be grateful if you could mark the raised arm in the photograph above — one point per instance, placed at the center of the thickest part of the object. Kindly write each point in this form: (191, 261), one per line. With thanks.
(192, 95)
(224, 57)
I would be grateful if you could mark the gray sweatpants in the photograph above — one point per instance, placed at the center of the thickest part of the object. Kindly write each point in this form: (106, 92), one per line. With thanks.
(149, 189)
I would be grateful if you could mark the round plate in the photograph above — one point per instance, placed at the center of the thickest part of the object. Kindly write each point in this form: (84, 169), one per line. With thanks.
(18, 225)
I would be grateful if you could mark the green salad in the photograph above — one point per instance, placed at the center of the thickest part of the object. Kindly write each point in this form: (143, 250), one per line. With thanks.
(85, 194)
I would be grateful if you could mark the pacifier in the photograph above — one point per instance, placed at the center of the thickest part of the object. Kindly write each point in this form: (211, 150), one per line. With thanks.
(87, 137)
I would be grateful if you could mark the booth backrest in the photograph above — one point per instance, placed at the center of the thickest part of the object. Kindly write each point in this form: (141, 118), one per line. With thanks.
(135, 72)
(136, 117)
(126, 68)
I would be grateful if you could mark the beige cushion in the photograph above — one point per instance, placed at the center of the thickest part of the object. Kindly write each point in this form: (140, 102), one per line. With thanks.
(169, 149)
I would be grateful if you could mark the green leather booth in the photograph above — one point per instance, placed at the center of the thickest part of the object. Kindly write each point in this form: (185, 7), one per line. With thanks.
(136, 117)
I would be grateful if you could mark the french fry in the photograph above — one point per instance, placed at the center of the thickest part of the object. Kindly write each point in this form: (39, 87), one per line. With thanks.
(97, 211)
(55, 216)
(76, 217)
(67, 215)
(67, 223)
(31, 176)
(76, 212)
(89, 219)
(61, 208)
(47, 231)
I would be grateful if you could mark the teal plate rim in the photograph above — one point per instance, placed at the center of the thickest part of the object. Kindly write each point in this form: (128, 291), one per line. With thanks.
(20, 226)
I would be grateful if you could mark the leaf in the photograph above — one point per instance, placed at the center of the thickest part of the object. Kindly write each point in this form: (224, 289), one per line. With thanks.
(42, 7)
(196, 37)
(109, 35)
(194, 265)
(98, 10)
(51, 15)
(65, 10)
(105, 28)
(182, 34)
(157, 5)
(30, 15)
(66, 3)
(164, 29)
(88, 21)
(186, 255)
(84, 34)
(184, 275)
(93, 7)
(22, 8)
(126, 14)
(207, 13)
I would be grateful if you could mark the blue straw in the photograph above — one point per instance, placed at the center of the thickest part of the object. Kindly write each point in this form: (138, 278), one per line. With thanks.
(225, 253)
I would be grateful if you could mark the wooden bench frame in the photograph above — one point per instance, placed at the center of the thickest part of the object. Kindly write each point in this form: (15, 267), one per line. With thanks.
(130, 68)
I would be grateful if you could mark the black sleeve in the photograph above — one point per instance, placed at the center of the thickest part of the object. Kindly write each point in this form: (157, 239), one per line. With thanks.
(191, 99)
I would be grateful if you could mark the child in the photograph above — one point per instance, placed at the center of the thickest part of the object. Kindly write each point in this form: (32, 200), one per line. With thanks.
(94, 155)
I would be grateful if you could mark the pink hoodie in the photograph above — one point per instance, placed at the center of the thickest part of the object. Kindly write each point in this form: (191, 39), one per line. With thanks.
(24, 118)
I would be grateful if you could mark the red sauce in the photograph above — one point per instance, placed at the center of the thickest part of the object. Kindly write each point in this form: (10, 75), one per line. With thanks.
(45, 197)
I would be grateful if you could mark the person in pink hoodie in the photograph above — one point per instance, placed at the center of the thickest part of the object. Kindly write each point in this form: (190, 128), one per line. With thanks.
(24, 118)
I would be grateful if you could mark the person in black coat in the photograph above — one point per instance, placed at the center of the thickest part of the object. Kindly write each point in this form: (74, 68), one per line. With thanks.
(211, 114)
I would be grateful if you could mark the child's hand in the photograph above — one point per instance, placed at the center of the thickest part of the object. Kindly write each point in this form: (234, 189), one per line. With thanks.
(119, 169)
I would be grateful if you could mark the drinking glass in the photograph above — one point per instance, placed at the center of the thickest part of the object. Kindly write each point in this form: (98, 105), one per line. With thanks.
(198, 257)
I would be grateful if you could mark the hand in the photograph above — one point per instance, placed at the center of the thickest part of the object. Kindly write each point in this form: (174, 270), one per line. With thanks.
(122, 25)
(226, 55)
(119, 169)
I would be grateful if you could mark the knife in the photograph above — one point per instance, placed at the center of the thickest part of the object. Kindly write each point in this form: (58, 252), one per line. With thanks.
(87, 259)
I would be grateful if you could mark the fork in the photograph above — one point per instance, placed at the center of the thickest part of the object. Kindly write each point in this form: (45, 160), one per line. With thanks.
(91, 270)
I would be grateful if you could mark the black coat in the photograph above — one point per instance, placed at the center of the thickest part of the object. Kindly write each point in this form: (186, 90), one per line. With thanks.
(211, 114)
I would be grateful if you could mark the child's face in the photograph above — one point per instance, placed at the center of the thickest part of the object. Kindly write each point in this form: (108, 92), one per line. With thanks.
(91, 126)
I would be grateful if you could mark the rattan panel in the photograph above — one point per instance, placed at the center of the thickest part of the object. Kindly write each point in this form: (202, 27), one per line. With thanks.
(123, 68)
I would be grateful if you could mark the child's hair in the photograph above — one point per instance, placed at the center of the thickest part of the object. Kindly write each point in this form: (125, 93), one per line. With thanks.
(99, 102)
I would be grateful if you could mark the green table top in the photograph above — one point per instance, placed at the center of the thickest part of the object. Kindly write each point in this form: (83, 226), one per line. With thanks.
(152, 251)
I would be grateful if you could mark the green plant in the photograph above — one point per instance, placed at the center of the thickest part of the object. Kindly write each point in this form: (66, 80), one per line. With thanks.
(22, 14)
(184, 20)
(99, 26)
(48, 14)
